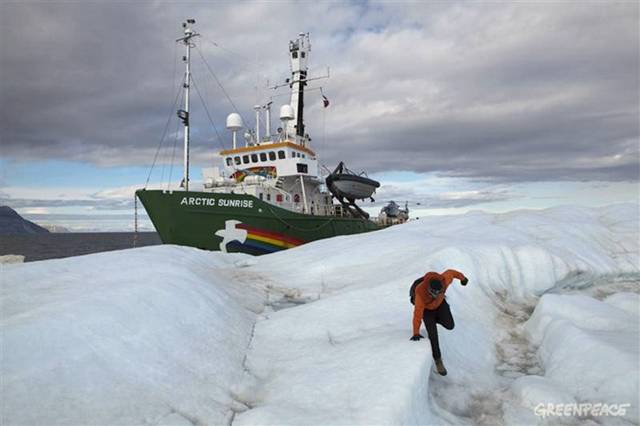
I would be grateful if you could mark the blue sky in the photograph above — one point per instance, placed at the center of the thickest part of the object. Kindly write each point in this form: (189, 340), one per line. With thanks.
(60, 173)
(452, 106)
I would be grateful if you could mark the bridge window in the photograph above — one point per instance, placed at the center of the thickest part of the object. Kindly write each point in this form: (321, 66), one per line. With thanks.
(236, 160)
(272, 155)
(254, 158)
(263, 156)
(245, 159)
(229, 161)
(294, 55)
(260, 195)
(302, 168)
(268, 196)
(281, 155)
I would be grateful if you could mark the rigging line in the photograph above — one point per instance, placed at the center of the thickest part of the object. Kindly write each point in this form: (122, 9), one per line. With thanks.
(164, 133)
(135, 220)
(175, 63)
(173, 156)
(165, 155)
(220, 84)
(173, 79)
(242, 57)
(195, 85)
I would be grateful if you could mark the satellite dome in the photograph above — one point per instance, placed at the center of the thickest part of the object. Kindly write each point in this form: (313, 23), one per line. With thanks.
(234, 121)
(286, 112)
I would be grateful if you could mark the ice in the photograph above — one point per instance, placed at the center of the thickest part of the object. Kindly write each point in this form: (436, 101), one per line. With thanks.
(581, 311)
(590, 347)
(152, 335)
(319, 334)
(529, 392)
(628, 302)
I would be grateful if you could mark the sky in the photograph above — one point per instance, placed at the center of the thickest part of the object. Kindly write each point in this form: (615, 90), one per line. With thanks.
(453, 106)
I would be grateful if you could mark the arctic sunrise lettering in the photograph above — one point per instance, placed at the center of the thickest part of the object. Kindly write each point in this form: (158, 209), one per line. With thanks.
(222, 202)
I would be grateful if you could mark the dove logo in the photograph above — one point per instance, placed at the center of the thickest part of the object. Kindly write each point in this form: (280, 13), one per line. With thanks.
(231, 233)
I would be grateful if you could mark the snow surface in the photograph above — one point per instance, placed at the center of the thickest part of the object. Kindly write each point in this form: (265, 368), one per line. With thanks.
(154, 335)
(590, 346)
(320, 334)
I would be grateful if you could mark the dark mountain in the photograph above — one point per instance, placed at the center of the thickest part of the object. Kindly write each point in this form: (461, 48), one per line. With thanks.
(11, 223)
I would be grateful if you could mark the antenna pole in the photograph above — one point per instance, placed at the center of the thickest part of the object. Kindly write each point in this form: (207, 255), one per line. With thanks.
(267, 108)
(257, 110)
(184, 113)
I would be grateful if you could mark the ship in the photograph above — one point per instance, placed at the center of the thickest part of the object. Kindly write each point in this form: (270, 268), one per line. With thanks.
(269, 194)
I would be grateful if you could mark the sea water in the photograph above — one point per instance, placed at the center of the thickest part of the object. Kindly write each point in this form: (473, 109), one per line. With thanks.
(56, 245)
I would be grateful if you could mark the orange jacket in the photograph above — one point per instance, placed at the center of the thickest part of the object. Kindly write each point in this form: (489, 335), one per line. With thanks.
(424, 300)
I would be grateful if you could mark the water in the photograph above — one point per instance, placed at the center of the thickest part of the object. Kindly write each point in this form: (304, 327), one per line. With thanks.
(57, 245)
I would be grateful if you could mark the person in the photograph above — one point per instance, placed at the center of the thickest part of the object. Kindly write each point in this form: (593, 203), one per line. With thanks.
(432, 308)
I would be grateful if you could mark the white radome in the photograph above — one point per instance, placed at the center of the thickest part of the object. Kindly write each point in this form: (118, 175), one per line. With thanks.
(234, 121)
(286, 112)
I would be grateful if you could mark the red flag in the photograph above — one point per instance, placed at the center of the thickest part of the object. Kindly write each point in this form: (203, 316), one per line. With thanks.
(325, 101)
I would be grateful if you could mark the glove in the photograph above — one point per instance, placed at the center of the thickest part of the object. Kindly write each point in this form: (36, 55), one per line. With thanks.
(417, 337)
(464, 281)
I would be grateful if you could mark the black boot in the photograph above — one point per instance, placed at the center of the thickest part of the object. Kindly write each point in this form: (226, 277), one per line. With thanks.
(440, 367)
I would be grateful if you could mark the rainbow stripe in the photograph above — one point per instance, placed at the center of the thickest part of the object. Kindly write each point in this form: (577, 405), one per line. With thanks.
(266, 171)
(261, 241)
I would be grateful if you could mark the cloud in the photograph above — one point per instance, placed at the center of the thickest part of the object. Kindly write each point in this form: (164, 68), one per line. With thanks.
(120, 198)
(30, 200)
(501, 92)
(98, 204)
(423, 195)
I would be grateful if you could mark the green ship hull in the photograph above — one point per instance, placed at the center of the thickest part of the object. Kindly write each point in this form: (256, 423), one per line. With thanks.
(238, 222)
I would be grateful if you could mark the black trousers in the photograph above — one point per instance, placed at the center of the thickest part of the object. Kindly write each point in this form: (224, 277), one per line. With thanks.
(441, 315)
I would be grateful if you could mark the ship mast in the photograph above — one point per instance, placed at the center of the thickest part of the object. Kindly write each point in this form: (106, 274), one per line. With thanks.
(299, 56)
(184, 113)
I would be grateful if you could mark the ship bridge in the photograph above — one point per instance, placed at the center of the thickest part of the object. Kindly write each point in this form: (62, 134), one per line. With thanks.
(286, 158)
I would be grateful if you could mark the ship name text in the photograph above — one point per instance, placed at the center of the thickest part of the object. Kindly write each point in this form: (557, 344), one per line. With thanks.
(221, 202)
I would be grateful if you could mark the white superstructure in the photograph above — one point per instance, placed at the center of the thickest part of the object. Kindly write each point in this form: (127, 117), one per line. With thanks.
(280, 168)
